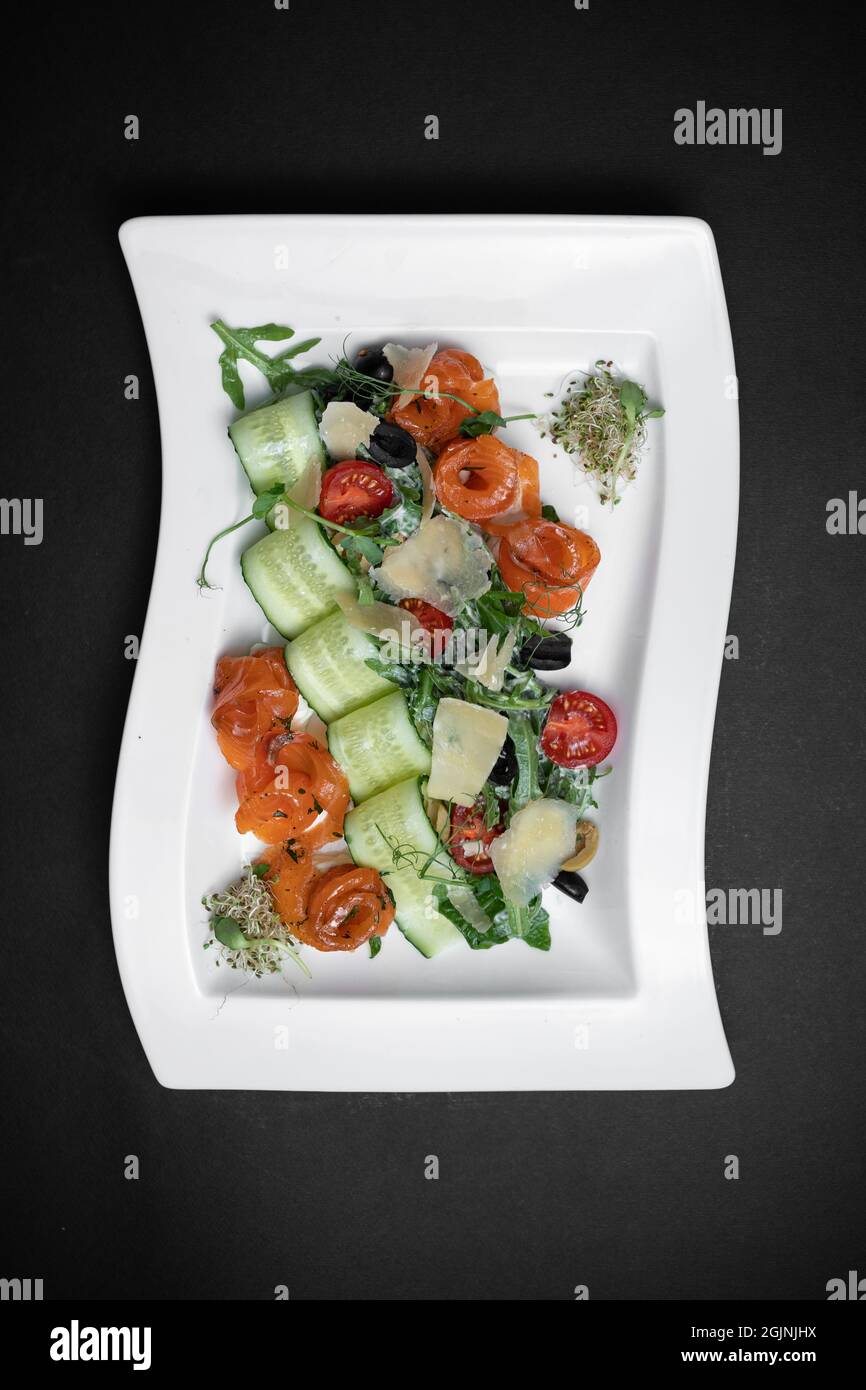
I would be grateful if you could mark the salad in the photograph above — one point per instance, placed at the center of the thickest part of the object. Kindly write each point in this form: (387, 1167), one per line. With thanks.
(400, 760)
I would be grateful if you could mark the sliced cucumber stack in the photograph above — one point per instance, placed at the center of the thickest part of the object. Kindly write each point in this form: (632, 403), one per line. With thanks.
(377, 746)
(328, 665)
(392, 825)
(295, 576)
(279, 443)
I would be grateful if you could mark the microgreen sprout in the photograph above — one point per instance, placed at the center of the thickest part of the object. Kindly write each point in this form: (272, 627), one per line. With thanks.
(601, 422)
(248, 929)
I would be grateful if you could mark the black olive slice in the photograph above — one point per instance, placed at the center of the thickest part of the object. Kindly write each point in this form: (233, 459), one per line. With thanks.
(504, 769)
(571, 884)
(391, 446)
(550, 653)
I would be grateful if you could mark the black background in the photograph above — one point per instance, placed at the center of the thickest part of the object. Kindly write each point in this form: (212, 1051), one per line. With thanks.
(542, 108)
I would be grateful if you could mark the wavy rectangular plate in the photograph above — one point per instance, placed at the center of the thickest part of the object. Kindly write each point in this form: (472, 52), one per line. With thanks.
(625, 997)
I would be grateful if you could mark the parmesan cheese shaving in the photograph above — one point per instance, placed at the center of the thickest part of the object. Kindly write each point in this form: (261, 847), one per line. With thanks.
(468, 906)
(345, 427)
(445, 563)
(379, 619)
(307, 490)
(528, 856)
(489, 669)
(467, 740)
(410, 365)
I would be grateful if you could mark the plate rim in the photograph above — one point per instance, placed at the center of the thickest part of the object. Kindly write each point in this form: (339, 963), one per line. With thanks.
(185, 1051)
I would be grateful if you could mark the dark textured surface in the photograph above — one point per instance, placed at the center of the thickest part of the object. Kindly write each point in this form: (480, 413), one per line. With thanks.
(542, 108)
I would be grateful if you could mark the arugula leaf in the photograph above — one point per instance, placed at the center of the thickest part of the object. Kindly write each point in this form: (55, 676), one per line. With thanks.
(498, 610)
(530, 924)
(278, 371)
(524, 736)
(492, 810)
(573, 785)
(404, 518)
(231, 380)
(405, 676)
(422, 705)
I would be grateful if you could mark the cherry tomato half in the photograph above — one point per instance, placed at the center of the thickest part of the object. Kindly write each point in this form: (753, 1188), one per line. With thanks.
(355, 489)
(580, 730)
(551, 563)
(433, 620)
(430, 618)
(471, 839)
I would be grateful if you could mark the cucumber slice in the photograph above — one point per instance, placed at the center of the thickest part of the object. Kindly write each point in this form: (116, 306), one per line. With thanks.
(396, 819)
(294, 575)
(279, 443)
(327, 663)
(377, 746)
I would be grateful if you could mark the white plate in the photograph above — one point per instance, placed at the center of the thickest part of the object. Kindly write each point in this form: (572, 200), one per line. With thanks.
(625, 997)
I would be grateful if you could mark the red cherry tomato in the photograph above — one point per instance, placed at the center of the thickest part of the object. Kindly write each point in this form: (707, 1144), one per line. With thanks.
(471, 838)
(355, 489)
(430, 618)
(580, 730)
(433, 620)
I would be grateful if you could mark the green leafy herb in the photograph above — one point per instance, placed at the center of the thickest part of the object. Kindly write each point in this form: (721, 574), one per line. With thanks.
(261, 506)
(376, 394)
(492, 811)
(573, 785)
(266, 500)
(361, 542)
(507, 922)
(229, 934)
(278, 371)
(524, 736)
(363, 545)
(247, 927)
(375, 945)
(404, 517)
(365, 590)
(406, 855)
(602, 423)
(405, 676)
(486, 421)
(632, 398)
